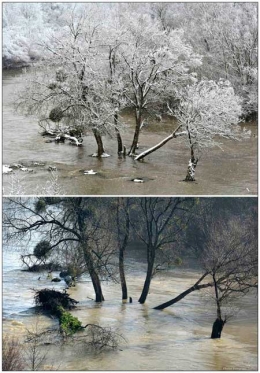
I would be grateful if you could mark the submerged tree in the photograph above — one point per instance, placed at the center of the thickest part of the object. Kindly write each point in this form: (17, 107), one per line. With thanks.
(63, 221)
(227, 253)
(207, 111)
(72, 88)
(153, 61)
(157, 222)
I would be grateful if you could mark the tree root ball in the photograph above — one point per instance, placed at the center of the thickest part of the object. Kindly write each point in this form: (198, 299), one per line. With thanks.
(50, 300)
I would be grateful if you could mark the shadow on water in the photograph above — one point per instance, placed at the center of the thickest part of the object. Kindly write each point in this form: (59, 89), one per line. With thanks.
(232, 171)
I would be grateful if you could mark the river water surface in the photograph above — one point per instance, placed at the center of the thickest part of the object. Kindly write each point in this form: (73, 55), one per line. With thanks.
(174, 339)
(230, 171)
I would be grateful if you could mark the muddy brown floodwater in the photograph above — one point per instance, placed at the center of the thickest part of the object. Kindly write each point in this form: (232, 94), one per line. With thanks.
(230, 171)
(177, 338)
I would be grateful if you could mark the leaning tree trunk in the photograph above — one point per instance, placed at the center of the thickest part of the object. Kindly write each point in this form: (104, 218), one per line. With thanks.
(93, 275)
(99, 141)
(138, 121)
(160, 144)
(97, 286)
(149, 274)
(195, 287)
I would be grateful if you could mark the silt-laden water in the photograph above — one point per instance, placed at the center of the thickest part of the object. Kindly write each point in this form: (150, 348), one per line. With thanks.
(230, 171)
(177, 338)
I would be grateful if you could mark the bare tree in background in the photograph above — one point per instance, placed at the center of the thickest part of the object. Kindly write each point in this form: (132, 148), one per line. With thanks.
(62, 222)
(157, 223)
(227, 253)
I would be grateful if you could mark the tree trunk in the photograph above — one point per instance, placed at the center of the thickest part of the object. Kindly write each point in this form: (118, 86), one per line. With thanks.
(99, 141)
(122, 275)
(119, 141)
(122, 246)
(192, 162)
(217, 328)
(148, 278)
(94, 276)
(87, 251)
(219, 323)
(118, 135)
(191, 167)
(195, 287)
(138, 121)
(97, 286)
(159, 145)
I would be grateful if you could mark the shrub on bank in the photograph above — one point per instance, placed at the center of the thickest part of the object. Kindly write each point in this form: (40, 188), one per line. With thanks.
(12, 358)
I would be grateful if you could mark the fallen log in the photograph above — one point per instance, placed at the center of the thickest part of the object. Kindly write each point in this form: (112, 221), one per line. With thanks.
(62, 137)
(160, 144)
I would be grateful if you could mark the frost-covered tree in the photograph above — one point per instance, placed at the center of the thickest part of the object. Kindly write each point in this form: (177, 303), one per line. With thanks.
(73, 86)
(153, 61)
(226, 34)
(207, 112)
(22, 27)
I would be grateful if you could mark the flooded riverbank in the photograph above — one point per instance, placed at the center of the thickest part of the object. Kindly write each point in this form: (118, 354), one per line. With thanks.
(230, 171)
(177, 338)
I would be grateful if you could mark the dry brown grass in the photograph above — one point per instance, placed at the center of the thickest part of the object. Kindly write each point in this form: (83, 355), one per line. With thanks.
(12, 354)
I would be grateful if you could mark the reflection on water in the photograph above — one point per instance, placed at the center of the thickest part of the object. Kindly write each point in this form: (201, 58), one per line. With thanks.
(174, 339)
(231, 171)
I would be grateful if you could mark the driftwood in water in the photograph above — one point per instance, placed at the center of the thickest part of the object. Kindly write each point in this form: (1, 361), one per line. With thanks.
(61, 137)
(60, 134)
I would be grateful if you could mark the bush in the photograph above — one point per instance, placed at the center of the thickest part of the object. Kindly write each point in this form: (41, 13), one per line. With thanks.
(41, 249)
(178, 261)
(68, 323)
(40, 205)
(56, 114)
(12, 358)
